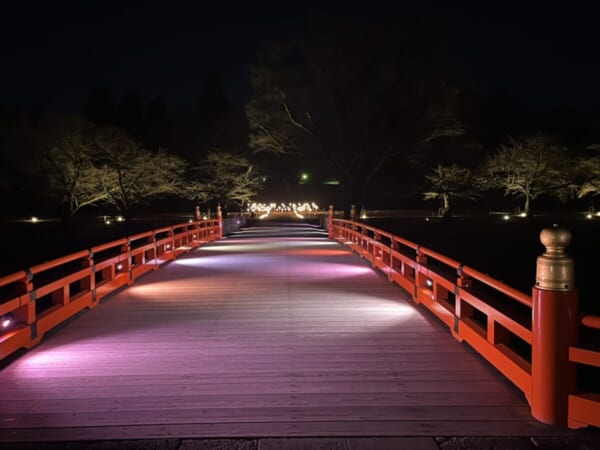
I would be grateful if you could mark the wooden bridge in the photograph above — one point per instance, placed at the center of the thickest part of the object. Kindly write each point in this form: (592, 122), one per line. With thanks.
(272, 331)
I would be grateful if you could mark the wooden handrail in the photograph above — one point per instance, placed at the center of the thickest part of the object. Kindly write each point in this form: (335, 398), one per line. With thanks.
(58, 262)
(439, 257)
(13, 277)
(83, 286)
(112, 244)
(591, 321)
(498, 285)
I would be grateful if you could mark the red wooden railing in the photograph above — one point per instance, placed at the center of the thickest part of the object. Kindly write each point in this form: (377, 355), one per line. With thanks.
(494, 318)
(38, 299)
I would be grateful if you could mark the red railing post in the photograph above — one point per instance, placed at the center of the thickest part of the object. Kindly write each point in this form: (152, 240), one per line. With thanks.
(330, 222)
(198, 215)
(89, 283)
(420, 277)
(220, 219)
(555, 320)
(126, 263)
(353, 213)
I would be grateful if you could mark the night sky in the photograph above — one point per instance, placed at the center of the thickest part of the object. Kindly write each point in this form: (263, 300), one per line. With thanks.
(54, 52)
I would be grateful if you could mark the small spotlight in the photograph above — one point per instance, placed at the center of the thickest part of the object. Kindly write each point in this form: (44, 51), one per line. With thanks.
(190, 221)
(428, 282)
(119, 267)
(588, 216)
(107, 221)
(523, 214)
(194, 236)
(168, 246)
(120, 219)
(204, 218)
(598, 213)
(506, 217)
(34, 219)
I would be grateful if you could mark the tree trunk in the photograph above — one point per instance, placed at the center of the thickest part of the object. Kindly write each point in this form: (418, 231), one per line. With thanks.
(446, 213)
(527, 204)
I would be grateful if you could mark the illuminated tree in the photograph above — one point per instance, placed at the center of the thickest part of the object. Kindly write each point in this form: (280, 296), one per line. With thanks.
(529, 167)
(70, 172)
(226, 177)
(447, 183)
(349, 98)
(131, 175)
(589, 168)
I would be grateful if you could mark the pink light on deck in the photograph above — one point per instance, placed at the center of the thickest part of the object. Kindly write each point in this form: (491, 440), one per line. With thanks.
(42, 358)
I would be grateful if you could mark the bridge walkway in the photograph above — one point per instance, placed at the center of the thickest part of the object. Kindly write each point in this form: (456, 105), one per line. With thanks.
(273, 331)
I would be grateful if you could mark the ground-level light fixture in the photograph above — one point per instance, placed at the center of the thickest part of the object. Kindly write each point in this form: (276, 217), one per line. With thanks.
(119, 267)
(34, 219)
(506, 217)
(5, 322)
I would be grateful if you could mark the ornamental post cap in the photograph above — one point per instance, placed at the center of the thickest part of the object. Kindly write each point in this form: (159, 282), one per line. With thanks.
(555, 239)
(555, 269)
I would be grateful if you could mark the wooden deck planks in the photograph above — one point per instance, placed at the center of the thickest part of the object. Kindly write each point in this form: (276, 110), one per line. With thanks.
(274, 332)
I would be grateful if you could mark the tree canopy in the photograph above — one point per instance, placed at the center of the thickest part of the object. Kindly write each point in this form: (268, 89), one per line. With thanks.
(447, 183)
(225, 177)
(350, 97)
(529, 167)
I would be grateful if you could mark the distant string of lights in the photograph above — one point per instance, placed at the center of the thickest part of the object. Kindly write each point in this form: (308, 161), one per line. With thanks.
(300, 210)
